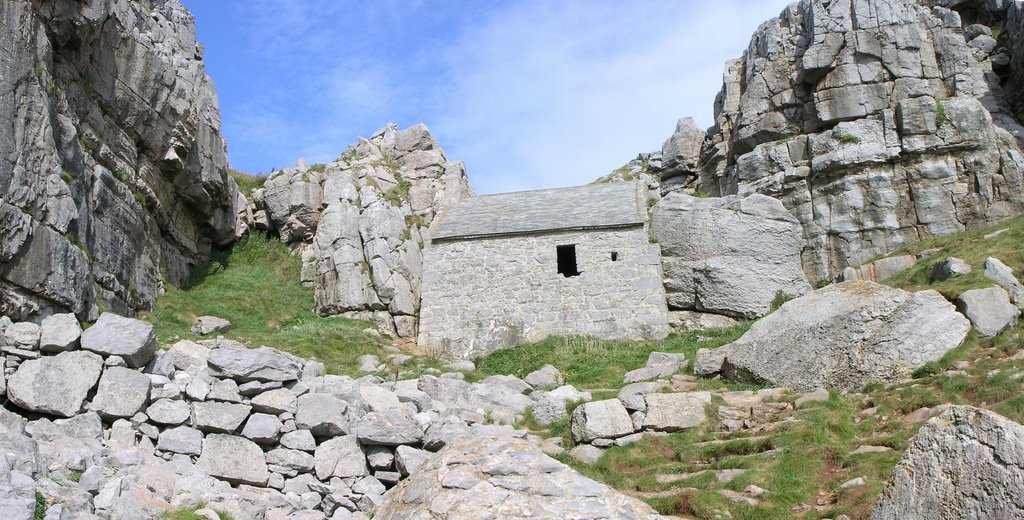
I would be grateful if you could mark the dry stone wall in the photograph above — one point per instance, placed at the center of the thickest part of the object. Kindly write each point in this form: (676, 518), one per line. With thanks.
(113, 171)
(490, 293)
(360, 222)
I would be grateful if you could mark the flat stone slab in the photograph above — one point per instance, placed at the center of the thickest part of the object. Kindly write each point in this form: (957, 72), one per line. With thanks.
(606, 419)
(255, 364)
(675, 412)
(113, 335)
(234, 459)
(122, 393)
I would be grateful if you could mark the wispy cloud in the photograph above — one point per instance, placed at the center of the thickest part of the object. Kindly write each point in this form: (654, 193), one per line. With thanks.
(529, 93)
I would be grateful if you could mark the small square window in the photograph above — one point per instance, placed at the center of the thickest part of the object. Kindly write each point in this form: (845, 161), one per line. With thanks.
(615, 256)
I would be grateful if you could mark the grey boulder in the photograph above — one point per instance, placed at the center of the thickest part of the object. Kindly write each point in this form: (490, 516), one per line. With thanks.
(989, 310)
(675, 412)
(503, 477)
(321, 414)
(965, 463)
(340, 457)
(168, 412)
(234, 459)
(388, 428)
(1002, 274)
(59, 332)
(606, 419)
(259, 364)
(122, 393)
(949, 268)
(843, 336)
(184, 440)
(205, 325)
(112, 335)
(57, 385)
(219, 417)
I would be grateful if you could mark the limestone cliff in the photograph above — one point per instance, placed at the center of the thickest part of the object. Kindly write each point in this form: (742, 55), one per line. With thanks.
(360, 222)
(113, 171)
(876, 122)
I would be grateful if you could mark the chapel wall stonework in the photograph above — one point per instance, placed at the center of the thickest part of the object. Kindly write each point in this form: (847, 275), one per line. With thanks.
(483, 294)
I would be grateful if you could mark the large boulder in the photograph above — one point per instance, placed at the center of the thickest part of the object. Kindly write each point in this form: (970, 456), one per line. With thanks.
(57, 385)
(843, 336)
(234, 459)
(965, 463)
(606, 419)
(989, 310)
(340, 457)
(321, 414)
(388, 428)
(503, 477)
(122, 392)
(112, 335)
(675, 412)
(59, 332)
(731, 255)
(243, 364)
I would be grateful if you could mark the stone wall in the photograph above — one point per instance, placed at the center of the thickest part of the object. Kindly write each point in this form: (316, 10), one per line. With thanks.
(484, 294)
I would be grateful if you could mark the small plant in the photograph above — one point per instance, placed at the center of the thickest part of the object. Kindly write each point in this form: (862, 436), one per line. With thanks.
(67, 177)
(700, 194)
(413, 220)
(41, 504)
(844, 137)
(40, 71)
(399, 192)
(823, 282)
(350, 155)
(51, 87)
(940, 113)
(387, 162)
(141, 199)
(305, 177)
(780, 299)
(122, 175)
(318, 168)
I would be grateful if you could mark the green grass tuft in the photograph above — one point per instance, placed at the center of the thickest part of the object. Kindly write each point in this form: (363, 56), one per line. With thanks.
(248, 183)
(844, 137)
(189, 513)
(257, 287)
(940, 113)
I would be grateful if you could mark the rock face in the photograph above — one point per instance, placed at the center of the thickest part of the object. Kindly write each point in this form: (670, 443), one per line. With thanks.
(729, 255)
(875, 122)
(115, 174)
(500, 477)
(965, 463)
(360, 222)
(843, 336)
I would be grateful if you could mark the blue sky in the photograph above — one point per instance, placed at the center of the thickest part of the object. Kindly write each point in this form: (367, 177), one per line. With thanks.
(530, 94)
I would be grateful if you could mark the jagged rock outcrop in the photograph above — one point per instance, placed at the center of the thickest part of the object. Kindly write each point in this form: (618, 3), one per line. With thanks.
(965, 463)
(360, 222)
(844, 336)
(876, 122)
(113, 170)
(732, 255)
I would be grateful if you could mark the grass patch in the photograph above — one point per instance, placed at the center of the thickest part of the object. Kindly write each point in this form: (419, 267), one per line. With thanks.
(970, 246)
(257, 287)
(940, 113)
(189, 513)
(248, 183)
(844, 137)
(595, 363)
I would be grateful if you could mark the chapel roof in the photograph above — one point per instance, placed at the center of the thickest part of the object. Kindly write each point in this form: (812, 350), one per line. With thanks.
(593, 206)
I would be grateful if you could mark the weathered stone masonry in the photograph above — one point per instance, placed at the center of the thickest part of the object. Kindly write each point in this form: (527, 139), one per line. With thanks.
(494, 284)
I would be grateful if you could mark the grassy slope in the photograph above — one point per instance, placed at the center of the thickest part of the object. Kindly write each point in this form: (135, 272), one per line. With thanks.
(247, 183)
(256, 286)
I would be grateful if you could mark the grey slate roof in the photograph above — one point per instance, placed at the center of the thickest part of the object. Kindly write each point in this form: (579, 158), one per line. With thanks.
(594, 206)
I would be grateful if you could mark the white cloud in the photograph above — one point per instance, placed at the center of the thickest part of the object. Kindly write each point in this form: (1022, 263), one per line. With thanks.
(554, 94)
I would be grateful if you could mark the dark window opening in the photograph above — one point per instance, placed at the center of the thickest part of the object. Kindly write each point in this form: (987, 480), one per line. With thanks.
(567, 260)
(615, 256)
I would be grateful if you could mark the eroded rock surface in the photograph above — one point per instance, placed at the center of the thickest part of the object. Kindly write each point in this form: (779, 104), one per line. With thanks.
(502, 477)
(965, 463)
(114, 175)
